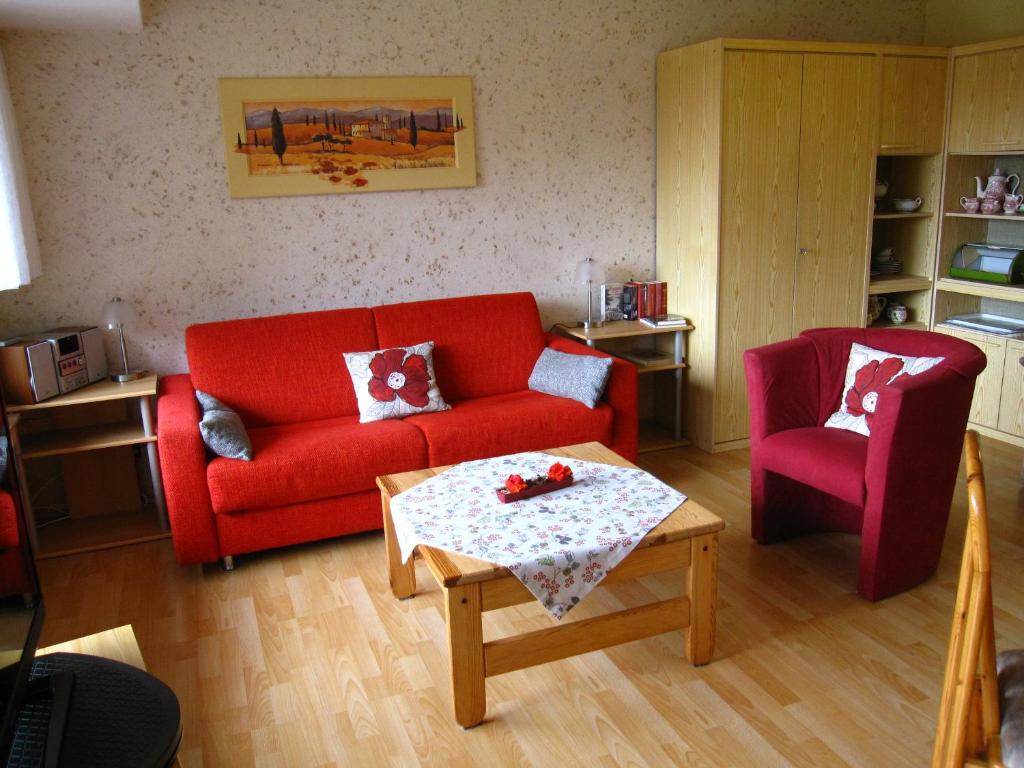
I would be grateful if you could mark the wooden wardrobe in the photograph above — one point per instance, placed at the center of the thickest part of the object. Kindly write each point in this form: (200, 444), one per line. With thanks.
(766, 171)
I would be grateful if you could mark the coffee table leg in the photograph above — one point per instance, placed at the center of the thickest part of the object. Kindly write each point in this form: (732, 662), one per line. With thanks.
(466, 651)
(401, 575)
(703, 590)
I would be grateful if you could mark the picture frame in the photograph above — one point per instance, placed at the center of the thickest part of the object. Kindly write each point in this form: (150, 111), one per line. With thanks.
(341, 135)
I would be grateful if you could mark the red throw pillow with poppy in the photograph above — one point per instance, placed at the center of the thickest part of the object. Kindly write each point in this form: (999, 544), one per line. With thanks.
(392, 383)
(868, 374)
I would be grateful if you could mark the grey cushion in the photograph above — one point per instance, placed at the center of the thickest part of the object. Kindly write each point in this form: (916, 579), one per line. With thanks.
(1010, 666)
(222, 429)
(579, 377)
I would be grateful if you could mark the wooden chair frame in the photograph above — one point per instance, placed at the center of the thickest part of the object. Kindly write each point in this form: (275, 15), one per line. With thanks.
(969, 722)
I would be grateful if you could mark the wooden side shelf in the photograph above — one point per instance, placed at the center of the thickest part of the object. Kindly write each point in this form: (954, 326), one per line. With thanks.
(988, 216)
(894, 283)
(80, 439)
(986, 290)
(910, 324)
(893, 215)
(87, 534)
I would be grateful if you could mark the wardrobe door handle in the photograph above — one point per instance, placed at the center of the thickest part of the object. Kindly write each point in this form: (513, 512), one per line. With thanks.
(804, 251)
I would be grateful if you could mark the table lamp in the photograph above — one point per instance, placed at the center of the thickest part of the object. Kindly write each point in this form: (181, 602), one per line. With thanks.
(116, 315)
(589, 271)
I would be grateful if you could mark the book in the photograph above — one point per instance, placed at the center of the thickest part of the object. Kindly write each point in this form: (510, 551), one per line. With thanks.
(611, 301)
(664, 321)
(629, 301)
(641, 297)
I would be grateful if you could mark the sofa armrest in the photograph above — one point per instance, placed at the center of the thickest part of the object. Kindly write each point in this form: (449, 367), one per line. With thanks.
(782, 387)
(620, 393)
(183, 467)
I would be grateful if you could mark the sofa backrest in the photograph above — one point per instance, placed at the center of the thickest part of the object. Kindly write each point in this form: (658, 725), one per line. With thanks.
(281, 369)
(483, 345)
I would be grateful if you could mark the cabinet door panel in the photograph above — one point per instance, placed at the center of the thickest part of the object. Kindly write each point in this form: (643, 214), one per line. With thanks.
(1011, 400)
(985, 406)
(837, 159)
(913, 104)
(761, 131)
(987, 113)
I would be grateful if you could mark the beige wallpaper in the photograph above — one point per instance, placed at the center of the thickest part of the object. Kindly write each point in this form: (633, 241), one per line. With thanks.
(122, 142)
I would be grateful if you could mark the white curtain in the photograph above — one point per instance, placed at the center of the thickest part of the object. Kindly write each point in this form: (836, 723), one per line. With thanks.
(19, 248)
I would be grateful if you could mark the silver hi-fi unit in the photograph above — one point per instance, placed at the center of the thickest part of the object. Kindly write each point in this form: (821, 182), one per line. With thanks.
(70, 357)
(95, 351)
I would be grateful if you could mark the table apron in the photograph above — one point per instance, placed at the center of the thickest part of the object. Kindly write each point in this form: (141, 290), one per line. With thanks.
(553, 643)
(643, 561)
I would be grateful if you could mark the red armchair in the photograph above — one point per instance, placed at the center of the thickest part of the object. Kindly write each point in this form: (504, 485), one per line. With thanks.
(894, 488)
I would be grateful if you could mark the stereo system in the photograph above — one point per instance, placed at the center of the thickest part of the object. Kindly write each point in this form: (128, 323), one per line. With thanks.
(34, 368)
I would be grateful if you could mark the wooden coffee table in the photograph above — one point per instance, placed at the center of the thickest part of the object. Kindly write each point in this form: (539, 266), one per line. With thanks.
(687, 537)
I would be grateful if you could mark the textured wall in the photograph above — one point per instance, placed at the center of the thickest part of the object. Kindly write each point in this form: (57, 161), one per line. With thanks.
(122, 142)
(954, 22)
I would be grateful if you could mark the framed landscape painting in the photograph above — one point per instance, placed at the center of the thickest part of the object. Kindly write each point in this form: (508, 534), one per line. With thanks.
(323, 135)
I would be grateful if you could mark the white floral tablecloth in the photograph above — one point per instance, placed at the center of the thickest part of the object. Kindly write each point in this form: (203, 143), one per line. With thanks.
(560, 545)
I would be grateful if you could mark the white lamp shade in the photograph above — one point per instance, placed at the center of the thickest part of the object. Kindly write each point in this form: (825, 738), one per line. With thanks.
(117, 313)
(589, 271)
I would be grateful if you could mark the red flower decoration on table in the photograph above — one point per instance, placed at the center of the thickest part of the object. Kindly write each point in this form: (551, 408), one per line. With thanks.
(868, 382)
(558, 472)
(515, 484)
(395, 375)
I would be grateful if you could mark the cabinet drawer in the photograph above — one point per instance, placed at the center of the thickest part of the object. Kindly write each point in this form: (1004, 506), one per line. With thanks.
(1011, 402)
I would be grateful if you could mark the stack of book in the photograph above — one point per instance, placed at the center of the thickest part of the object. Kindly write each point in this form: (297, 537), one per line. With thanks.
(665, 321)
(633, 300)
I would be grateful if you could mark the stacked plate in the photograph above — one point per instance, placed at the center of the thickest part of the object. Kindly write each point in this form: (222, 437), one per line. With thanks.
(891, 267)
(884, 263)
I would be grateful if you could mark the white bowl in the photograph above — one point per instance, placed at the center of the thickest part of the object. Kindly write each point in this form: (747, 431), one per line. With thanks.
(906, 205)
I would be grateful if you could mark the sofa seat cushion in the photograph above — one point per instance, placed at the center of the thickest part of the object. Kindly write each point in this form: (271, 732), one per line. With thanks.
(509, 423)
(313, 460)
(831, 460)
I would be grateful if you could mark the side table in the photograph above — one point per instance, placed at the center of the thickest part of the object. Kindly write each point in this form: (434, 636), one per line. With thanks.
(626, 329)
(100, 530)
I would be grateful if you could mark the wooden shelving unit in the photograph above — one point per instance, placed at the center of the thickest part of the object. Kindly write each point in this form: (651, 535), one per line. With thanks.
(652, 437)
(38, 433)
(984, 132)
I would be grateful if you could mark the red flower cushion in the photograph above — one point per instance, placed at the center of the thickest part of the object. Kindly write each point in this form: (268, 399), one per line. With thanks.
(868, 373)
(392, 383)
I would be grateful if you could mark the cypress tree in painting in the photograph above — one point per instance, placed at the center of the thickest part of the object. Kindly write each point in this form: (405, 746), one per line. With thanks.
(438, 113)
(238, 139)
(307, 118)
(277, 135)
(412, 130)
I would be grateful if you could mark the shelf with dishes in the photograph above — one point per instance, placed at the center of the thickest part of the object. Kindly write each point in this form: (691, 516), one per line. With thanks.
(903, 235)
(981, 245)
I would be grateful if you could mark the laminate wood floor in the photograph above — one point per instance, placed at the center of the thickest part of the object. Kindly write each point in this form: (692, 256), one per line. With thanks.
(301, 657)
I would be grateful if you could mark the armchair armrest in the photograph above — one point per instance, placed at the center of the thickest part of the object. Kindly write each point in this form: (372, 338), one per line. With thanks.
(913, 455)
(183, 466)
(620, 393)
(782, 387)
(917, 431)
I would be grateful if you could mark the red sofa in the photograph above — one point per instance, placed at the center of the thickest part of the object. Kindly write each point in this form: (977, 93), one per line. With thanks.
(314, 465)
